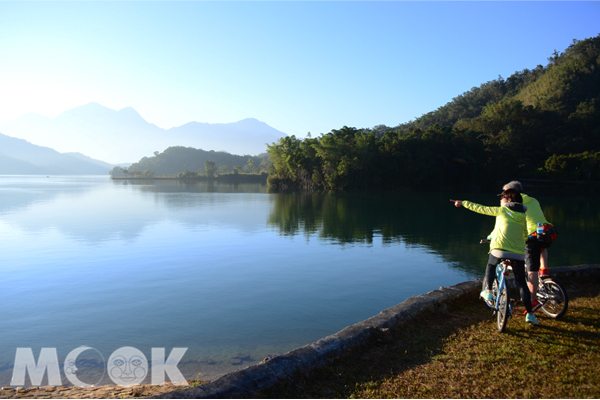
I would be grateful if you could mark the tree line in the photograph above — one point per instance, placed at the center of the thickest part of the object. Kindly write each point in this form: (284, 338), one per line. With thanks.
(542, 123)
(188, 163)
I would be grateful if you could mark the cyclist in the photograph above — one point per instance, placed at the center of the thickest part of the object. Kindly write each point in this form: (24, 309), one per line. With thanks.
(508, 242)
(536, 253)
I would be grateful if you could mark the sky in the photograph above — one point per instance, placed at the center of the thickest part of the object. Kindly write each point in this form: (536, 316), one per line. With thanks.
(298, 66)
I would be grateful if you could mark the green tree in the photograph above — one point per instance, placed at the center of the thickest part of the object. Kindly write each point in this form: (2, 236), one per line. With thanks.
(338, 155)
(187, 175)
(248, 166)
(147, 174)
(583, 166)
(537, 123)
(117, 172)
(209, 167)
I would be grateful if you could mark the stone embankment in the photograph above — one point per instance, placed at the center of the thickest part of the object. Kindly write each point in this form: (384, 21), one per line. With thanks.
(243, 382)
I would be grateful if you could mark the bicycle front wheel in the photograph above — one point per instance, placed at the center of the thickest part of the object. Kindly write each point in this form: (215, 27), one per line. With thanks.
(553, 298)
(503, 309)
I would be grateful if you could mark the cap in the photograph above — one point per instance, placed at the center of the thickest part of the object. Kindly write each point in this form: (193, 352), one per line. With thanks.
(514, 185)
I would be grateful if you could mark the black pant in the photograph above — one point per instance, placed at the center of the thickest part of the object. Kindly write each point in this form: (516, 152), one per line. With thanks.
(533, 251)
(518, 267)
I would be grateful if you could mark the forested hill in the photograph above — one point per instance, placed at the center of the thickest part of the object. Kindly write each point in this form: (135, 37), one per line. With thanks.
(179, 159)
(568, 79)
(540, 123)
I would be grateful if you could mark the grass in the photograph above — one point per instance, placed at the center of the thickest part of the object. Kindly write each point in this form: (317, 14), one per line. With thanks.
(458, 353)
(197, 381)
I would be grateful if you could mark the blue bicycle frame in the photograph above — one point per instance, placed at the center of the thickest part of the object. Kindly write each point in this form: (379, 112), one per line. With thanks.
(502, 307)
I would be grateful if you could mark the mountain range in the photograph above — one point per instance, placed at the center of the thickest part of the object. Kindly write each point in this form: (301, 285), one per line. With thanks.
(125, 137)
(17, 157)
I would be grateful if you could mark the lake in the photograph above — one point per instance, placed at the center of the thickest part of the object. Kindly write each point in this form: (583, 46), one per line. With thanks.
(231, 272)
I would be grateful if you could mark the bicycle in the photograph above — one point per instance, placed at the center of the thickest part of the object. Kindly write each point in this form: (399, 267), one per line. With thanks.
(502, 306)
(551, 295)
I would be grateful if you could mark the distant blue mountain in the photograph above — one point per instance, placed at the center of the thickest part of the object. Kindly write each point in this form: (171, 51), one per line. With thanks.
(19, 157)
(13, 166)
(124, 136)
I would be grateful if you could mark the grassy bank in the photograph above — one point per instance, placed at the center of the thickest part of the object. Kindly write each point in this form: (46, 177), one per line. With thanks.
(458, 353)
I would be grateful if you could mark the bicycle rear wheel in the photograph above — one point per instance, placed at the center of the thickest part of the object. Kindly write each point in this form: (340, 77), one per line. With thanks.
(553, 297)
(503, 308)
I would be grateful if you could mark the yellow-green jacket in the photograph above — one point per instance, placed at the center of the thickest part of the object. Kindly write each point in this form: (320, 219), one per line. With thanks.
(534, 213)
(509, 233)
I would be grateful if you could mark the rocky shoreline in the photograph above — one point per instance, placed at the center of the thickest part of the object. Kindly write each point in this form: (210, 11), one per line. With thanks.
(93, 392)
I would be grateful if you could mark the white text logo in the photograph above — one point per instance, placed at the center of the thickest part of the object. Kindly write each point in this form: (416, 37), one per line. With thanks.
(126, 366)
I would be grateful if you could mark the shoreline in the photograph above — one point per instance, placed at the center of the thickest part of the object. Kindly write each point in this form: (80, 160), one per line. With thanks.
(244, 382)
(228, 178)
(92, 392)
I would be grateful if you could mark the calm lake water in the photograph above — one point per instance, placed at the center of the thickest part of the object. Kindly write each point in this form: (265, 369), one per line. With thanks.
(231, 272)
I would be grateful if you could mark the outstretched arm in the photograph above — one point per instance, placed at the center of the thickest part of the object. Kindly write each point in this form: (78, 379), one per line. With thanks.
(478, 208)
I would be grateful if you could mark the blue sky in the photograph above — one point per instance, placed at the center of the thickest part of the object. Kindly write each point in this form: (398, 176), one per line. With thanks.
(298, 66)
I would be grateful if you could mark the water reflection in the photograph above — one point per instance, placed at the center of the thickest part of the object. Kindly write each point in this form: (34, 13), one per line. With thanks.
(428, 219)
(190, 186)
(414, 219)
(96, 209)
